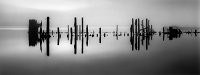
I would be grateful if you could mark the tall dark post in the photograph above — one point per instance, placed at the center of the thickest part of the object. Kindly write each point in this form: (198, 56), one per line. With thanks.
(47, 29)
(132, 34)
(142, 32)
(87, 35)
(68, 32)
(100, 35)
(82, 34)
(133, 26)
(151, 32)
(71, 32)
(147, 34)
(146, 27)
(117, 32)
(131, 39)
(75, 39)
(58, 31)
(136, 26)
(138, 34)
(48, 36)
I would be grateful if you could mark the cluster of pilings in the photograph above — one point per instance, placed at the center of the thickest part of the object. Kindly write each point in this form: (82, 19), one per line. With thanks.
(40, 35)
(137, 30)
(33, 31)
(76, 33)
(172, 32)
(140, 31)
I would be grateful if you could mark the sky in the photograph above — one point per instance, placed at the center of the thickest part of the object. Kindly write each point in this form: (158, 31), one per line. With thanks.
(16, 13)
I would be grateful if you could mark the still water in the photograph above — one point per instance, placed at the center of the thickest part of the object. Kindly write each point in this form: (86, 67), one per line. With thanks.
(169, 57)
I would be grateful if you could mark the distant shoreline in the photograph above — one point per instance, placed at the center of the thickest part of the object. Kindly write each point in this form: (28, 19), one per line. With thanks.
(13, 28)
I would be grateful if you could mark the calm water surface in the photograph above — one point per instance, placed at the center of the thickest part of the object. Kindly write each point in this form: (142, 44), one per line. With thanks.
(178, 56)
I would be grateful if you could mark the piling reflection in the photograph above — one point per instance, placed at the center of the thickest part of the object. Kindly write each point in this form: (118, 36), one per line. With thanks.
(141, 33)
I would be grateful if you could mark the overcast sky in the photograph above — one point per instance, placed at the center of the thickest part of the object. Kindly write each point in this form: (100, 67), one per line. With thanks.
(16, 13)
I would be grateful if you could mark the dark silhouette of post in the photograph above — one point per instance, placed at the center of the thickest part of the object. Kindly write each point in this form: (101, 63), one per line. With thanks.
(163, 33)
(87, 35)
(138, 34)
(68, 32)
(151, 32)
(47, 34)
(100, 35)
(142, 32)
(147, 34)
(71, 32)
(58, 32)
(148, 31)
(147, 27)
(117, 32)
(132, 34)
(82, 35)
(75, 39)
(136, 26)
